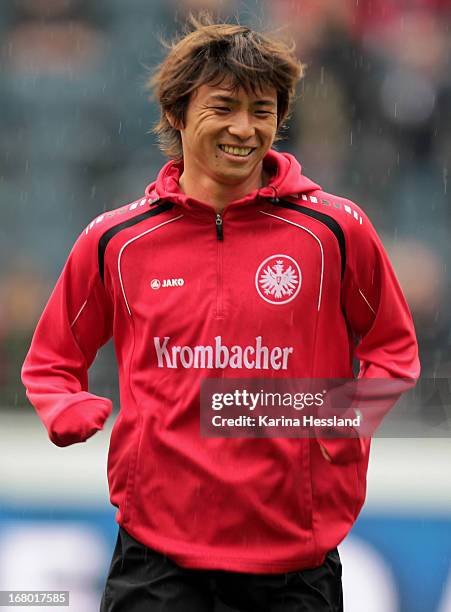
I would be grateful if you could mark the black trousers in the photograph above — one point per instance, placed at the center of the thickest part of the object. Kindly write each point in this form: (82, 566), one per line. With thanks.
(143, 580)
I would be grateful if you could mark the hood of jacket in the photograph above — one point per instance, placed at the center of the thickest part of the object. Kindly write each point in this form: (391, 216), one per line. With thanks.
(285, 179)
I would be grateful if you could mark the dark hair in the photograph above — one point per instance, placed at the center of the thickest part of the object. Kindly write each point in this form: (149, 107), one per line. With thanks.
(213, 53)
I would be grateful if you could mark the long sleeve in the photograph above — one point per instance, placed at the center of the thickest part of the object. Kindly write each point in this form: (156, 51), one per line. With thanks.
(386, 346)
(76, 322)
(377, 311)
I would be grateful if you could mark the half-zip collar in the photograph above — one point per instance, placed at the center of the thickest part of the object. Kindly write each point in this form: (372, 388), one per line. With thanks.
(285, 179)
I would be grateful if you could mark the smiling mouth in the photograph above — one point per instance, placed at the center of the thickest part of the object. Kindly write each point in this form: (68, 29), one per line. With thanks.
(238, 151)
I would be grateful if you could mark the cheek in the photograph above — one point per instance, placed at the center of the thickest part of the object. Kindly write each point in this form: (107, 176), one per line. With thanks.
(201, 137)
(270, 136)
(272, 129)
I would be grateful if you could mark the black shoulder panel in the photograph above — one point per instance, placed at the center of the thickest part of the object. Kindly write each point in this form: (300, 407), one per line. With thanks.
(326, 220)
(104, 240)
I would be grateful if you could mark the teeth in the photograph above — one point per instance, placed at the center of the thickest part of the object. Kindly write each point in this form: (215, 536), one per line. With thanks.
(241, 151)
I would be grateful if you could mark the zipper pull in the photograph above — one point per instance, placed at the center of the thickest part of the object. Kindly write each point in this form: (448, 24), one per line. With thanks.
(219, 230)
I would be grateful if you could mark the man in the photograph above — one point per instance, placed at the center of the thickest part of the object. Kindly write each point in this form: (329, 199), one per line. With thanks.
(176, 278)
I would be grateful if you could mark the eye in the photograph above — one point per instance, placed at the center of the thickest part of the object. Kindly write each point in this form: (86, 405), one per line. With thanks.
(263, 113)
(221, 109)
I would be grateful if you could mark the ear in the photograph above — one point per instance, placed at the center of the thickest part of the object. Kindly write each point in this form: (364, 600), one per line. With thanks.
(173, 122)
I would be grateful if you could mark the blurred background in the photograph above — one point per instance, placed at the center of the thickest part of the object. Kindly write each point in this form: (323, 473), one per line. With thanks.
(372, 123)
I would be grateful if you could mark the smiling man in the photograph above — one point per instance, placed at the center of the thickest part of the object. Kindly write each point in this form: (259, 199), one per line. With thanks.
(232, 264)
(226, 137)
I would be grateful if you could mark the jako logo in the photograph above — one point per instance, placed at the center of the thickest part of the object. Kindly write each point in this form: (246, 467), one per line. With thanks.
(167, 282)
(278, 279)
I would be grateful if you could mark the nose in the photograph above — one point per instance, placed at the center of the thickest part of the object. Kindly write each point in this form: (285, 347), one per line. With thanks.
(242, 126)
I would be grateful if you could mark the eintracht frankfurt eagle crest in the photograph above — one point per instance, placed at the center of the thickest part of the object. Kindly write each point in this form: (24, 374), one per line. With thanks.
(278, 279)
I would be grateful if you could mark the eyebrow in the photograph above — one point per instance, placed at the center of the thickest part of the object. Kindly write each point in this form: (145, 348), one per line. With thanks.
(231, 100)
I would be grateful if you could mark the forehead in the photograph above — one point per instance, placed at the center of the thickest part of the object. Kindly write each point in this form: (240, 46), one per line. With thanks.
(212, 91)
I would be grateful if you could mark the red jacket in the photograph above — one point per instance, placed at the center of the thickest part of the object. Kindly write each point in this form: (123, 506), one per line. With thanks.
(165, 275)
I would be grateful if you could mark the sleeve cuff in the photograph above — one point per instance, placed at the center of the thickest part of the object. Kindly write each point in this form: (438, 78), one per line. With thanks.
(80, 421)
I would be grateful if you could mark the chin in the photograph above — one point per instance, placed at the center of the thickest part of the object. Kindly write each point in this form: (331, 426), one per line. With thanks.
(234, 178)
(239, 171)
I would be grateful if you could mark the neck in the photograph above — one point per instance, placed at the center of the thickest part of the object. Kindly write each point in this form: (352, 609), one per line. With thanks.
(217, 195)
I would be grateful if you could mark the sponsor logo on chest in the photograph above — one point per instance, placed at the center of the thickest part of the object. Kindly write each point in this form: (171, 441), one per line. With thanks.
(256, 356)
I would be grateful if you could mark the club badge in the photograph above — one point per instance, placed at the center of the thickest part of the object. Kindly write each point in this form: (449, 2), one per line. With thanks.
(278, 279)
